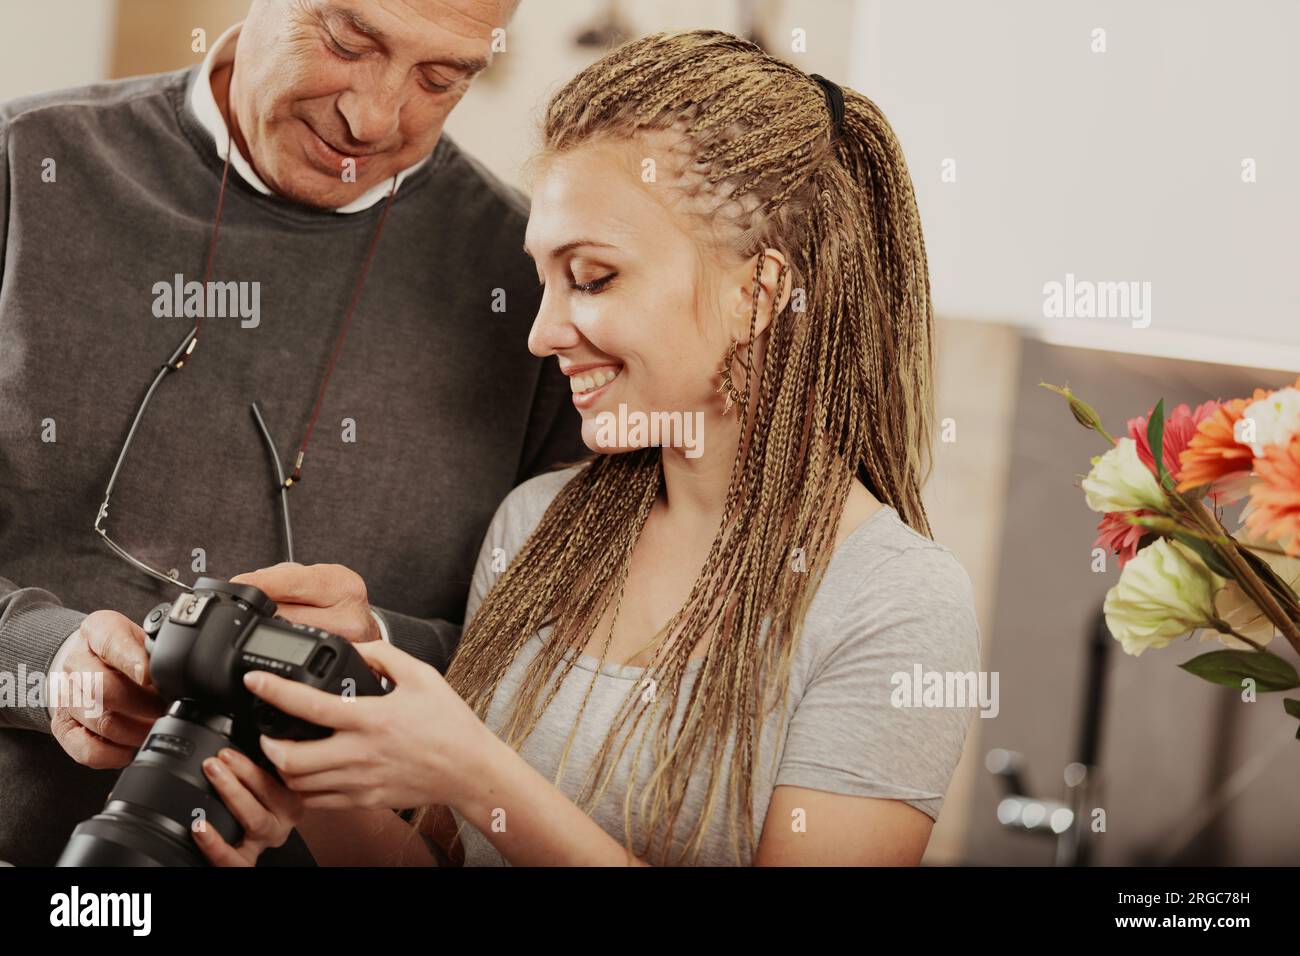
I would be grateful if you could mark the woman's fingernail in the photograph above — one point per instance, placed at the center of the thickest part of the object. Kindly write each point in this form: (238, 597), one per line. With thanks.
(214, 766)
(227, 755)
(252, 679)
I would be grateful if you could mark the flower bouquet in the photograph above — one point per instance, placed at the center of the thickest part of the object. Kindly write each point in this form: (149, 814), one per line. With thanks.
(1161, 490)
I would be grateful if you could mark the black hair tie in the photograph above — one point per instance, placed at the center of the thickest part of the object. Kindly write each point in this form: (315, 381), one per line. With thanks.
(834, 99)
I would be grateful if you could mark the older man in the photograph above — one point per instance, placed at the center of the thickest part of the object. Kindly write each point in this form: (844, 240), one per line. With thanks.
(347, 267)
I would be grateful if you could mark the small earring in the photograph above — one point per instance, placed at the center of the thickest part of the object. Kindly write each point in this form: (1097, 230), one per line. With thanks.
(728, 387)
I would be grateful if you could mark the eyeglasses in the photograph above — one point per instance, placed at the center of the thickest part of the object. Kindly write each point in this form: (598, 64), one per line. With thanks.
(173, 364)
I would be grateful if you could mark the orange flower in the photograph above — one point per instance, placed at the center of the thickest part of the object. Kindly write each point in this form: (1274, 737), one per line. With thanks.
(1274, 510)
(1214, 452)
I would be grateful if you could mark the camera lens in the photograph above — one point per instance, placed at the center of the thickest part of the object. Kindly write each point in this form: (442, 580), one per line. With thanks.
(159, 797)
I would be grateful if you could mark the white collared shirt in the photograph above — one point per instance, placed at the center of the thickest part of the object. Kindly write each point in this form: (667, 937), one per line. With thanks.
(204, 106)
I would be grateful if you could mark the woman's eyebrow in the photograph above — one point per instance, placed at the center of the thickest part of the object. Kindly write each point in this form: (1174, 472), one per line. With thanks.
(561, 250)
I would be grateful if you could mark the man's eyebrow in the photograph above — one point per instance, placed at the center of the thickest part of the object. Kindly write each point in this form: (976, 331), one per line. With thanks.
(561, 250)
(355, 21)
(469, 65)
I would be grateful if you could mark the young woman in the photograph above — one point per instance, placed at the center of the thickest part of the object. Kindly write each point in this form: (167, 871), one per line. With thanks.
(692, 648)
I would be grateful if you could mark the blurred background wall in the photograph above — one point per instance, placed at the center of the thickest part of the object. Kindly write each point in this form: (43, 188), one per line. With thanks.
(1108, 141)
(57, 43)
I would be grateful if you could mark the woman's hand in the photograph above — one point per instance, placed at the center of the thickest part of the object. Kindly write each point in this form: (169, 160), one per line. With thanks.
(264, 807)
(417, 745)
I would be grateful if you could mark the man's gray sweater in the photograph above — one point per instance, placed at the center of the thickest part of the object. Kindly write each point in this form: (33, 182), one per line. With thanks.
(434, 411)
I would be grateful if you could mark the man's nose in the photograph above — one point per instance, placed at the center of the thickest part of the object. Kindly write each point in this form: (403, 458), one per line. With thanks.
(373, 112)
(552, 331)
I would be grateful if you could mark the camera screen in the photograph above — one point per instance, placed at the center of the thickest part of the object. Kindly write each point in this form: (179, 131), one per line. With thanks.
(280, 645)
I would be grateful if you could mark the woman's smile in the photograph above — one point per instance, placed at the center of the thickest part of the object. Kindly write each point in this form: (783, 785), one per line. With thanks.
(589, 381)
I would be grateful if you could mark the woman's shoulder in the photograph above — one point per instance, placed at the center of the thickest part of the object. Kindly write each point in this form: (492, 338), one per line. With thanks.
(532, 497)
(889, 584)
(884, 545)
(521, 510)
(894, 614)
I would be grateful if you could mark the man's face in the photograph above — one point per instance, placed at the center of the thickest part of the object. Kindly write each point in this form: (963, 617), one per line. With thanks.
(331, 97)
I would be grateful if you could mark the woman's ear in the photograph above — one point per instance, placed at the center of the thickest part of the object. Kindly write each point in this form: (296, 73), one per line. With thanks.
(742, 286)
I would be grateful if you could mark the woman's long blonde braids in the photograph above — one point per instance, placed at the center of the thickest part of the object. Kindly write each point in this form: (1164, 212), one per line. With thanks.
(845, 389)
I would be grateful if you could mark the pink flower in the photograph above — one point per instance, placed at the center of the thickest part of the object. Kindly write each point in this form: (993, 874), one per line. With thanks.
(1118, 537)
(1180, 426)
(1114, 533)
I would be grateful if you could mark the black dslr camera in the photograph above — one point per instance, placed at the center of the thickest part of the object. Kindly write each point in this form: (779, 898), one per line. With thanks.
(199, 648)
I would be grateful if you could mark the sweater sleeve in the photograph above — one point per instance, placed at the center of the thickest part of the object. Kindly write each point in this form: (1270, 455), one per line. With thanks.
(432, 640)
(33, 625)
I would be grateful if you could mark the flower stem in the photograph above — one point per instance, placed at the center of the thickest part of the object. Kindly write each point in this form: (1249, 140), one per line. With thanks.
(1223, 627)
(1255, 589)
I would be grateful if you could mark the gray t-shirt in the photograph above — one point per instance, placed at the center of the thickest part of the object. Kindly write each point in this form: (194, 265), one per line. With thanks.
(891, 606)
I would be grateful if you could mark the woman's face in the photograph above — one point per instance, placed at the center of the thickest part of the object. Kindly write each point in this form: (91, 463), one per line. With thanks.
(620, 304)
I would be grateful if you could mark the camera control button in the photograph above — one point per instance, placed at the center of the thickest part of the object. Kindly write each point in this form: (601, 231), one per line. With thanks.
(154, 622)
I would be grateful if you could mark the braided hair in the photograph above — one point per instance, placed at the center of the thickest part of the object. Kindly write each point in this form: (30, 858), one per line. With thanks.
(844, 391)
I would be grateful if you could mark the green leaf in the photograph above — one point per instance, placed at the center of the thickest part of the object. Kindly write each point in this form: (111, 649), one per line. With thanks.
(1293, 708)
(1156, 439)
(1230, 668)
(1207, 554)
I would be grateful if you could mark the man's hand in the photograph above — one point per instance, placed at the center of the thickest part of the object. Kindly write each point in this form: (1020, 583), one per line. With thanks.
(105, 731)
(318, 595)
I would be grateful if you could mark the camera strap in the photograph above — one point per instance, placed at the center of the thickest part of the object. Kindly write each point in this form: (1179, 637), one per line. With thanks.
(358, 285)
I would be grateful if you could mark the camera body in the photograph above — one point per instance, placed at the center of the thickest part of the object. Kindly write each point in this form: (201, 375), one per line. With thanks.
(200, 646)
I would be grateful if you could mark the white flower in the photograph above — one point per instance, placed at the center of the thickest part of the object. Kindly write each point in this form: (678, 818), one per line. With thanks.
(1162, 594)
(1120, 482)
(1275, 419)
